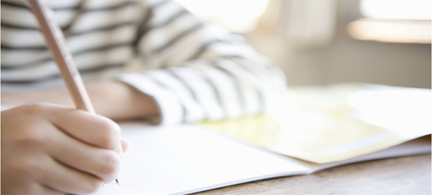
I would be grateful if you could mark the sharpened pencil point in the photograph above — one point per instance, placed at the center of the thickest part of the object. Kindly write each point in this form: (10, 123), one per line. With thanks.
(117, 181)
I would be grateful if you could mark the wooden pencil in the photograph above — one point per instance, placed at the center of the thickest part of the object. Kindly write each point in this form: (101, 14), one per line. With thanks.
(62, 56)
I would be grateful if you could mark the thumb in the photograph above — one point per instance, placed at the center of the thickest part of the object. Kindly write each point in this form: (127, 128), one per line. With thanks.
(125, 143)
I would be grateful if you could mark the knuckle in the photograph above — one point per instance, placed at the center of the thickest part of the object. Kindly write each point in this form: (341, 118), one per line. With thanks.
(37, 108)
(26, 167)
(111, 165)
(110, 132)
(34, 141)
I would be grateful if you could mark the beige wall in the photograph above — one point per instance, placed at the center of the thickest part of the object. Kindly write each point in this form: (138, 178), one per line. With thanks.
(344, 59)
(348, 60)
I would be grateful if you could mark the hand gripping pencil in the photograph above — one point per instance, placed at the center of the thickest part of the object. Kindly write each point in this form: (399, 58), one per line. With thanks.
(62, 56)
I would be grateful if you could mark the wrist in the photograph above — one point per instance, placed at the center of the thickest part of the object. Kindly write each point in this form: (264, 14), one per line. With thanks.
(118, 101)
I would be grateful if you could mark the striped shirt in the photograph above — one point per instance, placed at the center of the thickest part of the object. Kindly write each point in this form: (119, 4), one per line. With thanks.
(194, 71)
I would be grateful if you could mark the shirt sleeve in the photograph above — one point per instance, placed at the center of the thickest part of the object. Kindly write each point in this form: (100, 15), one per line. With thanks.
(197, 71)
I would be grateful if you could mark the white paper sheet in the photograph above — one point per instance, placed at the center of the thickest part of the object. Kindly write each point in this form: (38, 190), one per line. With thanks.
(186, 159)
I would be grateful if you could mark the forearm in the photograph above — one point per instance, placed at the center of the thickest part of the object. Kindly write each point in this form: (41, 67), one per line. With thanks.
(112, 99)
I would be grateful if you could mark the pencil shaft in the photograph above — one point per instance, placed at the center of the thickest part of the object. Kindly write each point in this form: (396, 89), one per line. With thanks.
(62, 56)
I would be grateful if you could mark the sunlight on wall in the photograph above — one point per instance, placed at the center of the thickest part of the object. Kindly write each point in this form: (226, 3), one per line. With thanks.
(384, 31)
(397, 9)
(399, 21)
(239, 16)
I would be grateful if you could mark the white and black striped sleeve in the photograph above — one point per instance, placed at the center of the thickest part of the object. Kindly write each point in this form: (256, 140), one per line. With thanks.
(197, 71)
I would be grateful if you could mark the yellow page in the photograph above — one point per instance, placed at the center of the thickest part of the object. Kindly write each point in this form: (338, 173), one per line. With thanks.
(336, 122)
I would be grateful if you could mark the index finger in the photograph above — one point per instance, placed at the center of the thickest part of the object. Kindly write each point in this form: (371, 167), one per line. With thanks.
(92, 129)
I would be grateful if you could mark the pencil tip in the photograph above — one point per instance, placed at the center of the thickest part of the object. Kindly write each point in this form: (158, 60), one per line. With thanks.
(117, 181)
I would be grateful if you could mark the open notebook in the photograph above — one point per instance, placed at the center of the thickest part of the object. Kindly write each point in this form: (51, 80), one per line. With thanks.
(190, 158)
(323, 126)
(337, 122)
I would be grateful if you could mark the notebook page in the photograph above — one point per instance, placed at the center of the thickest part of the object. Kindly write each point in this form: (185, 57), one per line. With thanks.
(417, 146)
(337, 122)
(187, 159)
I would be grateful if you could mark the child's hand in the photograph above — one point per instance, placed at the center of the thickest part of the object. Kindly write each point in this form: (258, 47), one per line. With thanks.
(48, 149)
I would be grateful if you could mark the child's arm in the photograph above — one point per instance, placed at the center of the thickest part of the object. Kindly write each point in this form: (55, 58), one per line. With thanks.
(196, 71)
(112, 99)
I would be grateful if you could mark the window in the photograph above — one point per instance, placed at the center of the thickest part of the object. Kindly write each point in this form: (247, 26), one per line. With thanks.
(401, 21)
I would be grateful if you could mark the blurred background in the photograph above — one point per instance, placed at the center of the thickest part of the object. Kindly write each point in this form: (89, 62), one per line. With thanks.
(318, 42)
